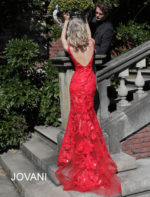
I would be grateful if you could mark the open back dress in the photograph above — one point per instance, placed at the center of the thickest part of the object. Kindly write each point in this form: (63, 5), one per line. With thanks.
(84, 163)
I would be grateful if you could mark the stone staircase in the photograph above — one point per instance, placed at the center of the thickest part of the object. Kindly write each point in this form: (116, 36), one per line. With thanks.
(38, 155)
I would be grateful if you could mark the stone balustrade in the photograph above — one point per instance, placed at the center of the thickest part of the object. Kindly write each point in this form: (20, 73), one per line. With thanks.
(120, 66)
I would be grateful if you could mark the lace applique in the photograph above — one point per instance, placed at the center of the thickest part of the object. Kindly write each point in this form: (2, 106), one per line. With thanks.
(84, 161)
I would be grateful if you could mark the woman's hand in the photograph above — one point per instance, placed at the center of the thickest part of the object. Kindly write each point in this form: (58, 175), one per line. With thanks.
(66, 16)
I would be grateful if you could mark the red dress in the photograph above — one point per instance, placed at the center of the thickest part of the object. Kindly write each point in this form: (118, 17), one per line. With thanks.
(84, 161)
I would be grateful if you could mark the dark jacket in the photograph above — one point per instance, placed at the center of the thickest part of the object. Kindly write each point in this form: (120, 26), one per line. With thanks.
(102, 34)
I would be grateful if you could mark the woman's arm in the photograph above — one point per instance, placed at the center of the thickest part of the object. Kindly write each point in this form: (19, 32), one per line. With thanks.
(87, 26)
(64, 30)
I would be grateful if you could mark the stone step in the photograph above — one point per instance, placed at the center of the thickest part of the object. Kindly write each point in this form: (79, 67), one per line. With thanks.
(43, 158)
(121, 161)
(133, 182)
(136, 181)
(53, 134)
(141, 194)
(46, 157)
(7, 188)
(17, 163)
(119, 158)
(48, 132)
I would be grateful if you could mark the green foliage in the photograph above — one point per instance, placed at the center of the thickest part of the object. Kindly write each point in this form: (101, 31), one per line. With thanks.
(49, 106)
(54, 32)
(28, 96)
(12, 131)
(21, 54)
(115, 81)
(113, 3)
(130, 35)
(133, 33)
(70, 5)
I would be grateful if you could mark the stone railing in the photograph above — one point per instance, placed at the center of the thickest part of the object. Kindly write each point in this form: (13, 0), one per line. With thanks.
(120, 66)
(130, 115)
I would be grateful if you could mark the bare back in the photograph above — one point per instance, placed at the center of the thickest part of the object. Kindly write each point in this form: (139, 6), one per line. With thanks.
(83, 57)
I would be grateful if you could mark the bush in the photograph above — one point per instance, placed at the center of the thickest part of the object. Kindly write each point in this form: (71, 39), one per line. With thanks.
(28, 96)
(50, 104)
(113, 3)
(21, 54)
(70, 5)
(12, 132)
(130, 35)
(54, 32)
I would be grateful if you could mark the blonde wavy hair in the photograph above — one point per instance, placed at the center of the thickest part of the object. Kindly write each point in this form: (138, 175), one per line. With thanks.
(77, 35)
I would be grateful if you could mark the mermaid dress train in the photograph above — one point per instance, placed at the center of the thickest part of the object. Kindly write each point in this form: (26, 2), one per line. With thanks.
(84, 163)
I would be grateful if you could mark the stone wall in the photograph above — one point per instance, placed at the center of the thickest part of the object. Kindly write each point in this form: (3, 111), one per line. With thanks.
(138, 145)
(54, 47)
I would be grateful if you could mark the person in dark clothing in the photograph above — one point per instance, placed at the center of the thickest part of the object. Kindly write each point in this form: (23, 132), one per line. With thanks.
(102, 32)
(102, 29)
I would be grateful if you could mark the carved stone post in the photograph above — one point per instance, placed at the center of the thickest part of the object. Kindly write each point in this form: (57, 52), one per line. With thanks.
(122, 90)
(139, 81)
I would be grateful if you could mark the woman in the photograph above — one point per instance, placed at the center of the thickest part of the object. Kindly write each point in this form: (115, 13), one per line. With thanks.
(84, 162)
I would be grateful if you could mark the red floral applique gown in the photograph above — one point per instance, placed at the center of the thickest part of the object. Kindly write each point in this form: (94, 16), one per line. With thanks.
(84, 161)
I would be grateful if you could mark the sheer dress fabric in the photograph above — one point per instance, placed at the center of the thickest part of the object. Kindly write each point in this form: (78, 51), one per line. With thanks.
(84, 163)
